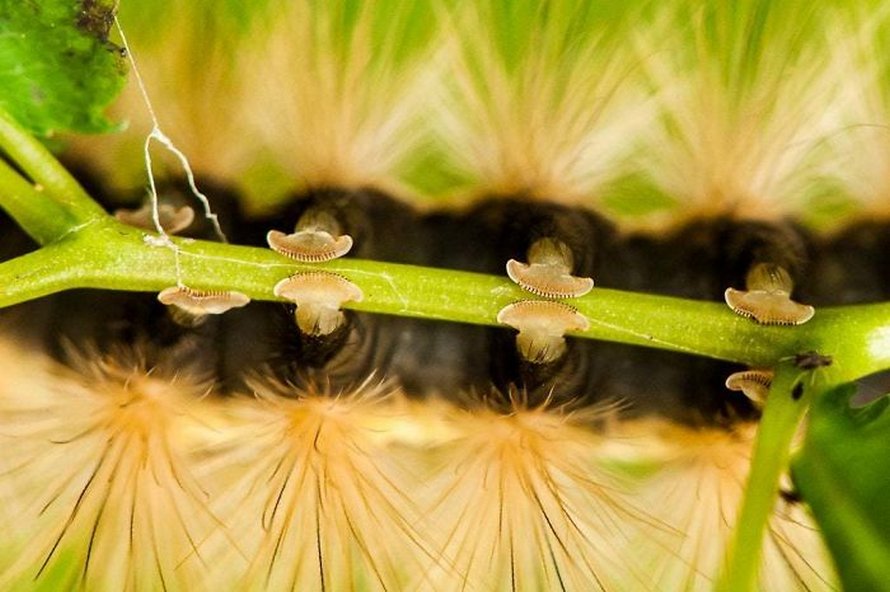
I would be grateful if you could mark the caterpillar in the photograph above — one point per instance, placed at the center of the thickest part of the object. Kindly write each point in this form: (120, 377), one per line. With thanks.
(677, 149)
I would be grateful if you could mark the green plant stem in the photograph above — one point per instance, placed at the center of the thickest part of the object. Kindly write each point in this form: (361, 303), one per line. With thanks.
(36, 212)
(109, 255)
(44, 170)
(781, 418)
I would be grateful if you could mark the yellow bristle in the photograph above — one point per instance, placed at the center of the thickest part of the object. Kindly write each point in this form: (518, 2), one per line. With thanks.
(523, 501)
(318, 502)
(858, 167)
(310, 488)
(97, 460)
(335, 108)
(559, 120)
(744, 111)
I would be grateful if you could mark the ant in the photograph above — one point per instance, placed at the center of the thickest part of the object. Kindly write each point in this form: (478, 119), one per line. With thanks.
(812, 360)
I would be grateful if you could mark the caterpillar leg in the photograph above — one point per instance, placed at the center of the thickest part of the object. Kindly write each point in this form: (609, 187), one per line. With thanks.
(773, 255)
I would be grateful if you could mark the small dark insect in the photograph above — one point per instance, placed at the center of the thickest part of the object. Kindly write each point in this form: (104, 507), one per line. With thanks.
(797, 391)
(96, 17)
(811, 360)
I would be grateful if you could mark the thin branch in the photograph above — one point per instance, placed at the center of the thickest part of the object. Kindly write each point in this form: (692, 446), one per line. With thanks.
(44, 170)
(792, 391)
(109, 255)
(36, 212)
(46, 271)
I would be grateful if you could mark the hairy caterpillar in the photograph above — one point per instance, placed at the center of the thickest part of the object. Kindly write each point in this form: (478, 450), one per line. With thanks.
(389, 453)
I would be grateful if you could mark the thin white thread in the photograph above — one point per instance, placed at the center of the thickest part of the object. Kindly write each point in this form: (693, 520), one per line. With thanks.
(157, 134)
(288, 266)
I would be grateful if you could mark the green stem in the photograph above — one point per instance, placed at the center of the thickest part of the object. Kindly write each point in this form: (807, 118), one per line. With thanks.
(44, 170)
(789, 397)
(36, 212)
(109, 255)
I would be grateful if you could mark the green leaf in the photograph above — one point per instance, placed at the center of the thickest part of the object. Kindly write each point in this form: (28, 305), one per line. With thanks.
(58, 70)
(844, 474)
